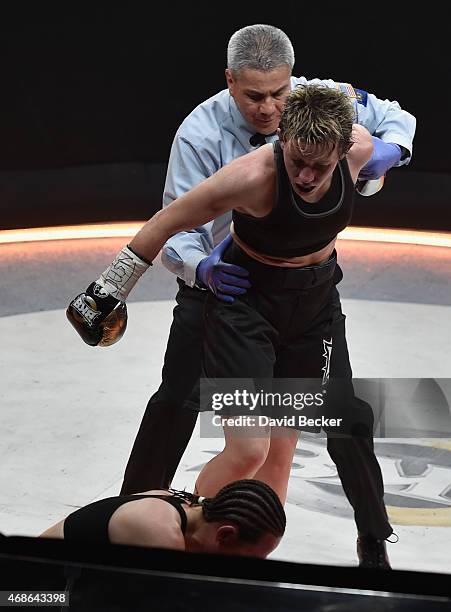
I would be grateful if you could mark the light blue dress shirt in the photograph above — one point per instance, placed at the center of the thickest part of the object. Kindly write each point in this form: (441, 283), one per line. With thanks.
(215, 133)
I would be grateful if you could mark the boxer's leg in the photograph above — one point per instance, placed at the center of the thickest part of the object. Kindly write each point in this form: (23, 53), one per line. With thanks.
(245, 451)
(238, 344)
(277, 467)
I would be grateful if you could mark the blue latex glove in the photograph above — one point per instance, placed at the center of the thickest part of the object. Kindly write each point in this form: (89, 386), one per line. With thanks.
(223, 279)
(385, 156)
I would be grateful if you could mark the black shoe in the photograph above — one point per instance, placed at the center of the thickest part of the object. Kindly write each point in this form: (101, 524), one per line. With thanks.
(372, 553)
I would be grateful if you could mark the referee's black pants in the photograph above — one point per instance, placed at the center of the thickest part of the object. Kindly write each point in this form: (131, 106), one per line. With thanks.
(167, 424)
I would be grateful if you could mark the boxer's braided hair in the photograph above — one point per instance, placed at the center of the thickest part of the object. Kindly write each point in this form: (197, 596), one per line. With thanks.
(251, 505)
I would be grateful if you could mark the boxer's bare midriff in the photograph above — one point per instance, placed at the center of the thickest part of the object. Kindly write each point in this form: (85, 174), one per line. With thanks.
(312, 259)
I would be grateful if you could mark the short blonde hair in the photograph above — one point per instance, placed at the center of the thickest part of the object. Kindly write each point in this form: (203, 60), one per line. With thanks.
(318, 115)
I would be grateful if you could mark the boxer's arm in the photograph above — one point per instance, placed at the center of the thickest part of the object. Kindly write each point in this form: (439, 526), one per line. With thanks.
(360, 151)
(99, 314)
(231, 187)
(55, 531)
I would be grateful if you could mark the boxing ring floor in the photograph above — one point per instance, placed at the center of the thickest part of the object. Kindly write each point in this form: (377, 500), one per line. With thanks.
(69, 413)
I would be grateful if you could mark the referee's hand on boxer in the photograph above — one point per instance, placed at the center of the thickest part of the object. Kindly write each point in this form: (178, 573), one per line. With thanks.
(99, 318)
(223, 279)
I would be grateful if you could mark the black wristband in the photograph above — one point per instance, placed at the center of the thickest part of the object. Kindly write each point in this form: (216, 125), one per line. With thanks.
(146, 261)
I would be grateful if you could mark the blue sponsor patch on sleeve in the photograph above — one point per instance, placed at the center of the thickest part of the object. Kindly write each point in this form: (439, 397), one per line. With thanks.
(362, 96)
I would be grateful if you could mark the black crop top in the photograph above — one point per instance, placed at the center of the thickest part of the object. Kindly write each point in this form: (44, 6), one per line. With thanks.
(90, 523)
(294, 227)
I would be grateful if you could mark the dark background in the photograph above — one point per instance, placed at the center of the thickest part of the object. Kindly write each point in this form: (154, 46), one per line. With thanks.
(91, 99)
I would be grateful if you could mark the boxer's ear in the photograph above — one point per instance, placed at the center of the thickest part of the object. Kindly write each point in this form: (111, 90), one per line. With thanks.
(227, 534)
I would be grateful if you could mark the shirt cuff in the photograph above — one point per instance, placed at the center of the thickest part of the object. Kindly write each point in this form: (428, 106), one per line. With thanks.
(190, 266)
(400, 140)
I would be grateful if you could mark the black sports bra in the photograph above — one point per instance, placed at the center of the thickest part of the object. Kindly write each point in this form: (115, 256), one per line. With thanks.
(90, 523)
(294, 227)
